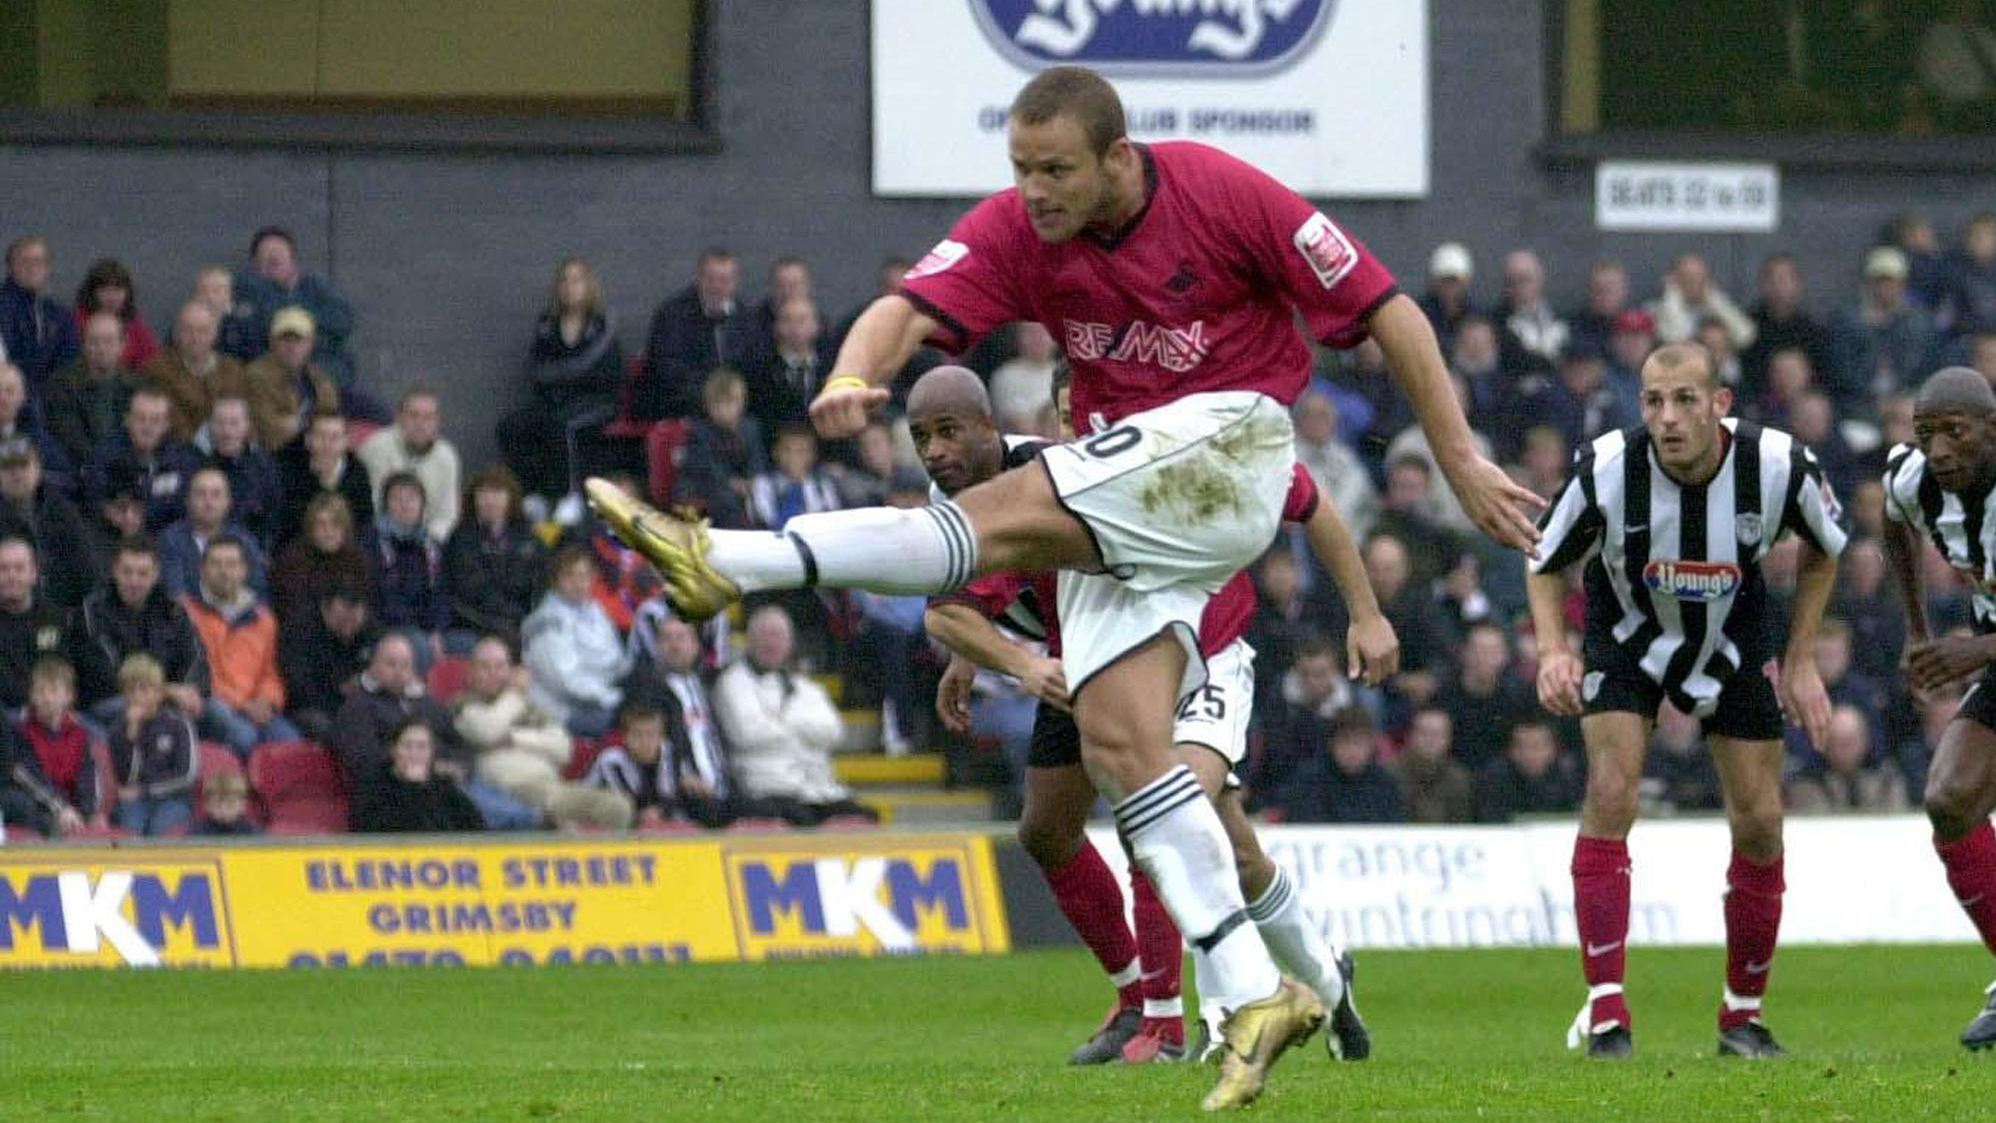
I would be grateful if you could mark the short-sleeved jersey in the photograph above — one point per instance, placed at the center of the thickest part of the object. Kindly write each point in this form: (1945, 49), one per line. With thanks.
(1196, 293)
(1673, 572)
(1025, 603)
(1963, 527)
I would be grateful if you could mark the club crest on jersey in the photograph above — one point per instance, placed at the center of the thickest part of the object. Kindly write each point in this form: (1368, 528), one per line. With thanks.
(946, 254)
(1747, 529)
(1154, 38)
(1325, 247)
(1692, 580)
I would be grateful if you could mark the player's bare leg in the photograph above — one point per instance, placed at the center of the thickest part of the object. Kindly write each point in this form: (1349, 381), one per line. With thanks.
(1052, 830)
(1176, 836)
(1615, 745)
(1009, 522)
(1961, 791)
(1750, 778)
(1293, 941)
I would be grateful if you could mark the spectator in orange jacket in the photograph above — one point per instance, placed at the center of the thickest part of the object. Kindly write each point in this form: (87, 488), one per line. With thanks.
(240, 636)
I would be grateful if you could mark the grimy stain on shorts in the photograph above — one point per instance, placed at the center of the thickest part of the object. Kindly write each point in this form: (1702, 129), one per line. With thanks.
(1197, 491)
(1240, 442)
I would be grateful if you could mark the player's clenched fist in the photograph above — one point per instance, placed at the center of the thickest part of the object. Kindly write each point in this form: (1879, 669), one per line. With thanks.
(845, 406)
(1559, 682)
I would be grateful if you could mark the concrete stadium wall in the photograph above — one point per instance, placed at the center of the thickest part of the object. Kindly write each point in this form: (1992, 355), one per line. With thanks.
(447, 257)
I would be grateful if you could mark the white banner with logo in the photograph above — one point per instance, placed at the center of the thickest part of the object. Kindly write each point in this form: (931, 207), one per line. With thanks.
(1329, 96)
(1850, 880)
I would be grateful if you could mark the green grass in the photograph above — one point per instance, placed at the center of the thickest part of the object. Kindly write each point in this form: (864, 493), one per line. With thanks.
(1459, 1035)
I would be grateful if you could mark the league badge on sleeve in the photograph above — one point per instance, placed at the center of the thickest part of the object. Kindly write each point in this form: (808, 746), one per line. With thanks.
(1325, 247)
(946, 254)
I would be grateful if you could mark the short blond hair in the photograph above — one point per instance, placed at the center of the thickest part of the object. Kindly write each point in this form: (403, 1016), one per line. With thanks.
(140, 669)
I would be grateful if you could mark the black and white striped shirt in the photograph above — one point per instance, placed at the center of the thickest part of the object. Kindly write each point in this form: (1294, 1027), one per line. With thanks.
(1963, 527)
(1673, 573)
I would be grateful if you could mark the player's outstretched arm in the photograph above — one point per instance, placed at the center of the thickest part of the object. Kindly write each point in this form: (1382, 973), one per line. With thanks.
(1502, 507)
(1559, 667)
(1372, 648)
(878, 346)
(972, 636)
(1802, 689)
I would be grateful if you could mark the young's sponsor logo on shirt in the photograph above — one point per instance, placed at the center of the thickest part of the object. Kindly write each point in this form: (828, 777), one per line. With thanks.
(1692, 580)
(1175, 349)
(1330, 254)
(946, 254)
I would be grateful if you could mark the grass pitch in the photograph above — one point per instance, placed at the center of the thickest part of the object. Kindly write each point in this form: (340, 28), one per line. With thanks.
(1458, 1035)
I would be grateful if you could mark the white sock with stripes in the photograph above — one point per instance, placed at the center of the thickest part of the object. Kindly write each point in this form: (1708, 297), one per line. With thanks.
(1177, 838)
(1299, 949)
(882, 549)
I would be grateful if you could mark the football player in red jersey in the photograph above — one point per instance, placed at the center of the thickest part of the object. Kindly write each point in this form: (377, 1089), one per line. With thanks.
(1672, 520)
(1174, 275)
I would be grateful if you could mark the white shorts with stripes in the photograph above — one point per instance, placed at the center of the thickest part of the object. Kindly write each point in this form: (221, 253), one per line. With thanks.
(1178, 499)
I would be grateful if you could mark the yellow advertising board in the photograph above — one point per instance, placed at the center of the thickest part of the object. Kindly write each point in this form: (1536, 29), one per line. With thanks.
(440, 902)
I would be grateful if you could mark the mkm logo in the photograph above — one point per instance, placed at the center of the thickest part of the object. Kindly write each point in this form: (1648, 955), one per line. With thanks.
(1155, 38)
(897, 902)
(134, 914)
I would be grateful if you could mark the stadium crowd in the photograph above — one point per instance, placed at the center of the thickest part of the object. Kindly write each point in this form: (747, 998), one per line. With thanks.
(216, 541)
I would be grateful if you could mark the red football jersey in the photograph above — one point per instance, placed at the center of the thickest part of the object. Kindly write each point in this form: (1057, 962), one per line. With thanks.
(1197, 293)
(1028, 603)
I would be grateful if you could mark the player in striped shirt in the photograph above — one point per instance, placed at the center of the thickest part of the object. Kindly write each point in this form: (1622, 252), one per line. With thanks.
(1942, 486)
(1672, 521)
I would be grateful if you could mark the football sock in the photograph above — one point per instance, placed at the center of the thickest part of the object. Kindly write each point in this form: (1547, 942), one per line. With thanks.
(882, 549)
(1971, 873)
(1089, 897)
(1601, 911)
(1753, 921)
(1210, 1010)
(1160, 947)
(1299, 949)
(1176, 836)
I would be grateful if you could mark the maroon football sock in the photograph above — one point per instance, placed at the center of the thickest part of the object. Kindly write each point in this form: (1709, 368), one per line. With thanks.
(1971, 873)
(1753, 923)
(1091, 900)
(1601, 911)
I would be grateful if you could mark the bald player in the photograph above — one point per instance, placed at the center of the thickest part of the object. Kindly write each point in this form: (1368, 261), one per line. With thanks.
(1941, 485)
(949, 417)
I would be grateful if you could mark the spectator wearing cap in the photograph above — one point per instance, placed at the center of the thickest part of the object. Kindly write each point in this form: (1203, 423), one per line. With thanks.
(18, 421)
(321, 464)
(31, 508)
(1631, 338)
(141, 460)
(274, 282)
(86, 400)
(415, 444)
(1607, 299)
(210, 514)
(1450, 269)
(252, 472)
(107, 288)
(1690, 297)
(192, 371)
(1781, 323)
(1887, 342)
(1534, 335)
(31, 625)
(37, 334)
(286, 386)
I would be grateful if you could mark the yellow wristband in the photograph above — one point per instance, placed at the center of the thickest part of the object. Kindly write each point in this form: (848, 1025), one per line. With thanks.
(846, 380)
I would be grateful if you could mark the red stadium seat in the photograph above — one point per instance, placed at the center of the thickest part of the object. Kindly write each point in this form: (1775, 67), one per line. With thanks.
(670, 827)
(299, 785)
(627, 425)
(446, 678)
(579, 761)
(17, 835)
(665, 448)
(106, 833)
